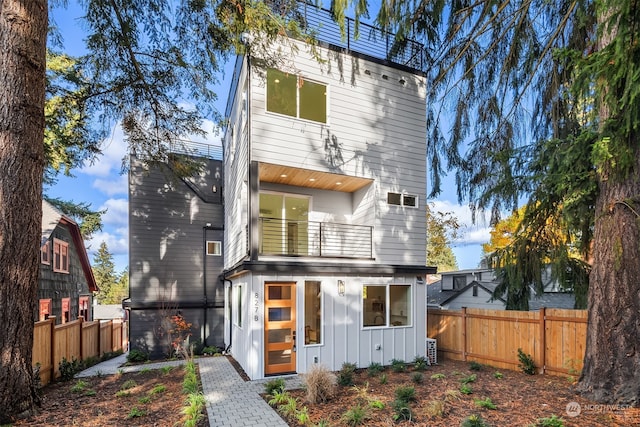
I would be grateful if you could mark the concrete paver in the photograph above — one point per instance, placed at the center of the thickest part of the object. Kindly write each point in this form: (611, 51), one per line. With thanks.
(231, 401)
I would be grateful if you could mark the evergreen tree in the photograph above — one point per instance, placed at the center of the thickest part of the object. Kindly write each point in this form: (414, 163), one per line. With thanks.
(442, 230)
(105, 275)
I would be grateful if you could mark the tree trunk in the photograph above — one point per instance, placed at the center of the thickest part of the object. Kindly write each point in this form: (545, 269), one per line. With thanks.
(612, 355)
(23, 27)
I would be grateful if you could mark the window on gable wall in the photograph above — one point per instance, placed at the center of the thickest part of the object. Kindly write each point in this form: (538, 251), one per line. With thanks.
(386, 305)
(60, 256)
(45, 309)
(294, 96)
(45, 253)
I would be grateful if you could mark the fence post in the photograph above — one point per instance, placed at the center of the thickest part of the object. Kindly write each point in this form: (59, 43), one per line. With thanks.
(464, 334)
(82, 355)
(52, 342)
(543, 344)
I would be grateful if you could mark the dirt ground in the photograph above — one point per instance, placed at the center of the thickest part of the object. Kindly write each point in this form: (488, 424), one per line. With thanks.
(520, 399)
(145, 398)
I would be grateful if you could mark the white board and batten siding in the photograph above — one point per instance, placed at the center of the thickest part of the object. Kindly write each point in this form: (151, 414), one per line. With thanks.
(344, 339)
(376, 126)
(482, 300)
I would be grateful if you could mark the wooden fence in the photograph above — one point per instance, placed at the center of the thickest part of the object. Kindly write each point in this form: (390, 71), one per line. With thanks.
(78, 340)
(555, 338)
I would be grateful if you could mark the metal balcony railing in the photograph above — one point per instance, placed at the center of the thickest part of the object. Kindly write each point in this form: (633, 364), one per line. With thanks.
(316, 239)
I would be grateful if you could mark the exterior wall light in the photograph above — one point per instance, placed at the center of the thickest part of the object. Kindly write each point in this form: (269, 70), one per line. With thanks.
(341, 288)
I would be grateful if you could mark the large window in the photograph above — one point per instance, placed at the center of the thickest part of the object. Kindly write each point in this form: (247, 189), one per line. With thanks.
(312, 313)
(284, 224)
(386, 305)
(292, 95)
(60, 256)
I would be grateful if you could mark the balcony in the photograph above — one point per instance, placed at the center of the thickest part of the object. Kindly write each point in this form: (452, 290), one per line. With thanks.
(282, 237)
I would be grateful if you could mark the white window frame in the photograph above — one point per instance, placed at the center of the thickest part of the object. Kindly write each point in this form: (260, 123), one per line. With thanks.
(304, 315)
(237, 318)
(388, 313)
(216, 244)
(297, 116)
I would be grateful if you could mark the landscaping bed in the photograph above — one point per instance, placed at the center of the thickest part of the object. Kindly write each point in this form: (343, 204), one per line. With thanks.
(144, 398)
(498, 397)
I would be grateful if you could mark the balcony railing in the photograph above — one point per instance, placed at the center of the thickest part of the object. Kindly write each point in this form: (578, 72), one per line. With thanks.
(317, 239)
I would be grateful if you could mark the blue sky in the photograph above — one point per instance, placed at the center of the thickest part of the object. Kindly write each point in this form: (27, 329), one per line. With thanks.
(104, 187)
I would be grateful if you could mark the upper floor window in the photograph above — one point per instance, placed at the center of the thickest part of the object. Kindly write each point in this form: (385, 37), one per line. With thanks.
(292, 95)
(398, 199)
(214, 248)
(45, 253)
(60, 256)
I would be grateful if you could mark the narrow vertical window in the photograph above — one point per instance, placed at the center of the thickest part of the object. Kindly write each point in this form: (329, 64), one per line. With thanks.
(239, 306)
(45, 309)
(60, 256)
(83, 307)
(312, 312)
(66, 302)
(45, 253)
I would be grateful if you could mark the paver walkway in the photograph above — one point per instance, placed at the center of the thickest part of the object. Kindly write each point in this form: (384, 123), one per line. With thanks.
(231, 401)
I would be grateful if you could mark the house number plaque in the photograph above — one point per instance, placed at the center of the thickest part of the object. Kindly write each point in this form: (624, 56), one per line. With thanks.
(256, 306)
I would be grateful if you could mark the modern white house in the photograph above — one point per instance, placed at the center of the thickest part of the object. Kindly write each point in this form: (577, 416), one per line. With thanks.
(324, 205)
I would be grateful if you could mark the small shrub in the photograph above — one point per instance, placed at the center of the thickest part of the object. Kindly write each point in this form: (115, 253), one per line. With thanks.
(144, 400)
(80, 386)
(376, 404)
(401, 410)
(420, 363)
(355, 416)
(127, 385)
(498, 375)
(123, 393)
(435, 408)
(527, 365)
(302, 416)
(417, 377)
(320, 384)
(469, 379)
(274, 386)
(323, 423)
(485, 403)
(362, 394)
(279, 398)
(211, 350)
(474, 421)
(289, 408)
(90, 393)
(137, 356)
(160, 388)
(193, 411)
(552, 421)
(144, 370)
(465, 389)
(475, 366)
(166, 369)
(451, 395)
(345, 374)
(398, 365)
(438, 376)
(374, 369)
(68, 369)
(136, 412)
(383, 379)
(405, 394)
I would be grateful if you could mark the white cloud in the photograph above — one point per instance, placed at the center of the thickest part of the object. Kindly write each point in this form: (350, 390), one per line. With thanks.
(471, 234)
(117, 212)
(114, 149)
(111, 187)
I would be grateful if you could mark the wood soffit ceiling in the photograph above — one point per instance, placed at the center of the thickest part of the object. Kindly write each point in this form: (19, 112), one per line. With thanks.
(278, 174)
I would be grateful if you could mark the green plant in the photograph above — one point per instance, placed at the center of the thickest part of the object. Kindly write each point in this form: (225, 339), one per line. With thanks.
(68, 369)
(552, 421)
(485, 403)
(90, 393)
(129, 384)
(355, 416)
(420, 363)
(302, 416)
(345, 374)
(193, 411)
(79, 386)
(435, 408)
(417, 377)
(136, 412)
(166, 369)
(473, 421)
(362, 393)
(383, 379)
(469, 379)
(123, 393)
(137, 356)
(160, 388)
(374, 369)
(572, 371)
(498, 375)
(279, 398)
(438, 376)
(289, 408)
(190, 383)
(405, 393)
(320, 384)
(398, 365)
(274, 386)
(144, 370)
(376, 404)
(144, 400)
(401, 410)
(475, 366)
(323, 423)
(452, 394)
(211, 350)
(465, 389)
(527, 365)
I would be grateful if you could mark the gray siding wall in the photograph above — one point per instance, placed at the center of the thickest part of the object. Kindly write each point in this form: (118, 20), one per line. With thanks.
(168, 267)
(377, 130)
(56, 286)
(466, 299)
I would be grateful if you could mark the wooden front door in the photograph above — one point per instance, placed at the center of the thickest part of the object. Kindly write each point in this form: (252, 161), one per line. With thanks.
(280, 328)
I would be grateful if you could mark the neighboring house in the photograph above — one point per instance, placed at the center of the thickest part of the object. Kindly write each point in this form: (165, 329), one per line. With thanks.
(473, 289)
(109, 311)
(66, 279)
(175, 251)
(325, 231)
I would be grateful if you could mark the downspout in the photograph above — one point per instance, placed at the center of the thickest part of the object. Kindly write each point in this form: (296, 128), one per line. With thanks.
(224, 279)
(204, 284)
(247, 39)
